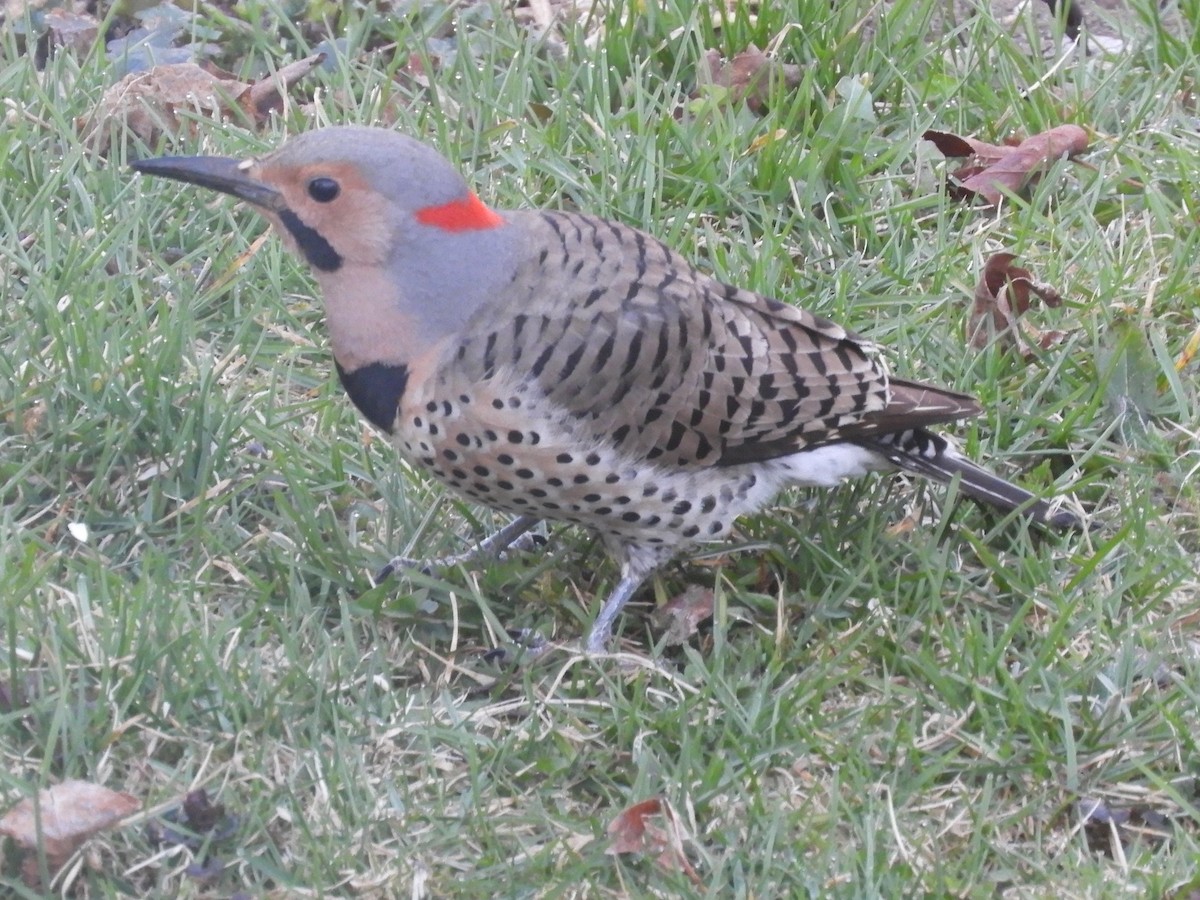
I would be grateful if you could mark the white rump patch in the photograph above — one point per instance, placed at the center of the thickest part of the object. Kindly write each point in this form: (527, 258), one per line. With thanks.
(829, 466)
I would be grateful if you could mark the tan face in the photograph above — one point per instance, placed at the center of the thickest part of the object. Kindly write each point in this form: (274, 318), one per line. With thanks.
(334, 200)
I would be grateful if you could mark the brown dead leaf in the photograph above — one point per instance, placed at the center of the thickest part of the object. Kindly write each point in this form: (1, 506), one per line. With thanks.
(993, 169)
(957, 145)
(63, 817)
(148, 103)
(270, 94)
(33, 418)
(748, 77)
(1189, 351)
(636, 829)
(1002, 296)
(151, 104)
(898, 529)
(683, 613)
(72, 30)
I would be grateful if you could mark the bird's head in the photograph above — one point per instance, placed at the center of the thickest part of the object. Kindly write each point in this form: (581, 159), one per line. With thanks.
(340, 195)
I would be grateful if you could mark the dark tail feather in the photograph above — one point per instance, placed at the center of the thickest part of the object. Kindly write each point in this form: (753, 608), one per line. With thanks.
(924, 453)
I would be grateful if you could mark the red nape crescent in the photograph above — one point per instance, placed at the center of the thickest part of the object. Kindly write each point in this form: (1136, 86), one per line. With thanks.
(468, 214)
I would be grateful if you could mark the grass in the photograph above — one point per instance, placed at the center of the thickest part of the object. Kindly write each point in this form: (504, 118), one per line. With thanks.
(879, 709)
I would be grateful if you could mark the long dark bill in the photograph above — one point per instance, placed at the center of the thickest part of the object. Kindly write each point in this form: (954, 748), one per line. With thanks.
(218, 173)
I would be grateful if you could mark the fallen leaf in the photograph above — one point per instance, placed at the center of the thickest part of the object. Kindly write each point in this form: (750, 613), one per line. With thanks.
(62, 818)
(749, 76)
(1189, 351)
(905, 526)
(33, 419)
(156, 102)
(637, 829)
(956, 145)
(1002, 295)
(994, 169)
(74, 31)
(683, 613)
(764, 140)
(269, 94)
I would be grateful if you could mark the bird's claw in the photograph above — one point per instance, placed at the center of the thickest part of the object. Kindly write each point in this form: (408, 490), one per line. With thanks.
(399, 563)
(513, 536)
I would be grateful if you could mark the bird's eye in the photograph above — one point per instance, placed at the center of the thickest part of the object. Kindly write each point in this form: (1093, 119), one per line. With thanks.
(323, 190)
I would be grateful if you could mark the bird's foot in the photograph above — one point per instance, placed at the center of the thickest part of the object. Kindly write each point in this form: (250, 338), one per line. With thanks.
(513, 536)
(598, 637)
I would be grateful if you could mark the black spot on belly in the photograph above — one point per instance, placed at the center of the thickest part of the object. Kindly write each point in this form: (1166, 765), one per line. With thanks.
(376, 390)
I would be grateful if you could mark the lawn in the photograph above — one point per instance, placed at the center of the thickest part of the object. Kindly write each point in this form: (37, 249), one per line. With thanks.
(899, 694)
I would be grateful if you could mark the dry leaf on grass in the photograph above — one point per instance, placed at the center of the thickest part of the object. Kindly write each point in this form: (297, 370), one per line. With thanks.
(651, 828)
(683, 613)
(72, 30)
(149, 104)
(907, 525)
(63, 817)
(993, 169)
(1190, 349)
(748, 77)
(1002, 296)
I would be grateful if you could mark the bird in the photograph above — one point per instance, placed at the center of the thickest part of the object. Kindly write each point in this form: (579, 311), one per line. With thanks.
(559, 366)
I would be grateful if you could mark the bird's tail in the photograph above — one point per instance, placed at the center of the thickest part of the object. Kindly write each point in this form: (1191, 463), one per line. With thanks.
(924, 453)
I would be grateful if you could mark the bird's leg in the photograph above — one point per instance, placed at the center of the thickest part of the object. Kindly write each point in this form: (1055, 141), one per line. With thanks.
(513, 535)
(602, 628)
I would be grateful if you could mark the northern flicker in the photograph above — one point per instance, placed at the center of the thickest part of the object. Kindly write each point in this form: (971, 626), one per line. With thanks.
(565, 367)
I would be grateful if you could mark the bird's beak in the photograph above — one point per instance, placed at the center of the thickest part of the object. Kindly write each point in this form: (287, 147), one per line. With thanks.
(218, 173)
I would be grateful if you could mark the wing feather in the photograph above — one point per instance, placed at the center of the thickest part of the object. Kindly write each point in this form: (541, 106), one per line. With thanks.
(655, 358)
